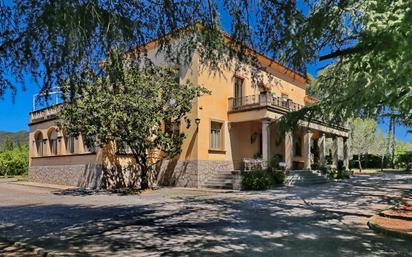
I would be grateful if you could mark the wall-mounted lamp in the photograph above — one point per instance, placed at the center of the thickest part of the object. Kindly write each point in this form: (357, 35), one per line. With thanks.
(197, 121)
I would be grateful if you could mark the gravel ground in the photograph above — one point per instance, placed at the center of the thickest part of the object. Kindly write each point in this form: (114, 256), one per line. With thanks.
(318, 220)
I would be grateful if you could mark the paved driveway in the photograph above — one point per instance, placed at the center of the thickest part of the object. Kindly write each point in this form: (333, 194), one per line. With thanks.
(321, 220)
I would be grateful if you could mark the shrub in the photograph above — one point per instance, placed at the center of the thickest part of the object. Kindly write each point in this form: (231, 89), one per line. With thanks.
(342, 173)
(256, 180)
(14, 161)
(274, 162)
(278, 177)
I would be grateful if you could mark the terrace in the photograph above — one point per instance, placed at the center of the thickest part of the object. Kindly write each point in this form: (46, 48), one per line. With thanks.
(262, 100)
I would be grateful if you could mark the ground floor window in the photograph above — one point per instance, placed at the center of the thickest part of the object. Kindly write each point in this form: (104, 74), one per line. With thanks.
(39, 144)
(216, 135)
(70, 140)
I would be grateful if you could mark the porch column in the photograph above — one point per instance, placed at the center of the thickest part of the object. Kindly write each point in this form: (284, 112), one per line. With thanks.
(335, 151)
(289, 150)
(307, 146)
(345, 153)
(266, 140)
(322, 149)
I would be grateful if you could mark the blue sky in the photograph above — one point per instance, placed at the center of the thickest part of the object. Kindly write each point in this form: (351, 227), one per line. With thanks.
(14, 116)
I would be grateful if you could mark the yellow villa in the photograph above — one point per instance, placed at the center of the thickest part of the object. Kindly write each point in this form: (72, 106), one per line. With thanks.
(233, 125)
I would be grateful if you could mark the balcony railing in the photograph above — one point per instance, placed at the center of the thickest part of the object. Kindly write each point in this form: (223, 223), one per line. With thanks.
(44, 114)
(262, 100)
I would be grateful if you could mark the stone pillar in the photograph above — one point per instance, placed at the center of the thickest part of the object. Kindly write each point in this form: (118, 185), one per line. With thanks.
(266, 140)
(345, 153)
(322, 149)
(335, 151)
(306, 149)
(289, 150)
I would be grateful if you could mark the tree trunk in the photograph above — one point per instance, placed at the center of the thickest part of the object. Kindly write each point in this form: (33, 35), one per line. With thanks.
(382, 161)
(360, 162)
(144, 184)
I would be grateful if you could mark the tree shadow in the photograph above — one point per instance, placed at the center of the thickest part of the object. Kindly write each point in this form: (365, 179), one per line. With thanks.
(295, 221)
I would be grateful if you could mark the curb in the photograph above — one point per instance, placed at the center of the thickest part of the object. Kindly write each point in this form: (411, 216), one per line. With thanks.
(382, 214)
(389, 232)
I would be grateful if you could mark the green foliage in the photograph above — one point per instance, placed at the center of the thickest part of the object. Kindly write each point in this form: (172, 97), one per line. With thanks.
(274, 161)
(370, 80)
(256, 180)
(341, 173)
(14, 159)
(403, 157)
(278, 177)
(130, 106)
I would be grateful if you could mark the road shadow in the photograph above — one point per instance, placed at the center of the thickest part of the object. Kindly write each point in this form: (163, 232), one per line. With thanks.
(325, 220)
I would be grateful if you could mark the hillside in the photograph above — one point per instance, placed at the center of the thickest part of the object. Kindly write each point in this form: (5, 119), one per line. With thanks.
(20, 136)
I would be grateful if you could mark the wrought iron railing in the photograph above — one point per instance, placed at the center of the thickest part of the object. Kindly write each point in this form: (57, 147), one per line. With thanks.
(264, 99)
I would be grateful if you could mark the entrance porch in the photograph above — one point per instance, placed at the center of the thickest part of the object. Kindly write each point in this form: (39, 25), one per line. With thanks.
(260, 139)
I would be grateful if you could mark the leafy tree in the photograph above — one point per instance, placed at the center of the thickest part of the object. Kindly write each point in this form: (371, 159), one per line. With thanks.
(369, 42)
(362, 137)
(14, 160)
(368, 78)
(8, 144)
(132, 109)
(380, 146)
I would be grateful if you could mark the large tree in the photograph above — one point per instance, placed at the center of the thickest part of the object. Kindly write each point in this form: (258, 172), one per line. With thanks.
(367, 44)
(132, 109)
(362, 137)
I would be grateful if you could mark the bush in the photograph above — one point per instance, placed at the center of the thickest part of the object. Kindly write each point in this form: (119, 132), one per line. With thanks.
(278, 177)
(339, 174)
(274, 162)
(14, 161)
(256, 180)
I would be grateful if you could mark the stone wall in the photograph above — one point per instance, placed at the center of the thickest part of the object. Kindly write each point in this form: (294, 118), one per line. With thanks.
(208, 168)
(178, 173)
(80, 175)
(190, 173)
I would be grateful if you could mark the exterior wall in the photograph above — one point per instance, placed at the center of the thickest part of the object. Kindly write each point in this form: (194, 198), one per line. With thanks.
(197, 162)
(215, 107)
(78, 175)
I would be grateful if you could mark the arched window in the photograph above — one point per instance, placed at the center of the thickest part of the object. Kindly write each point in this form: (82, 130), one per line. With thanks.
(38, 141)
(53, 142)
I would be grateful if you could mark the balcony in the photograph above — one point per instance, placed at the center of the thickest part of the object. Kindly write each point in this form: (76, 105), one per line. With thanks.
(43, 114)
(262, 100)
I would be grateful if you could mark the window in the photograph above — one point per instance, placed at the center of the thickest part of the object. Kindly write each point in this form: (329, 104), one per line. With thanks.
(70, 144)
(38, 140)
(216, 135)
(285, 97)
(172, 128)
(238, 89)
(53, 143)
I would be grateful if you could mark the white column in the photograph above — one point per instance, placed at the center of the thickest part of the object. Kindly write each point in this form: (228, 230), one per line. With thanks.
(289, 150)
(345, 153)
(266, 140)
(306, 151)
(322, 149)
(335, 151)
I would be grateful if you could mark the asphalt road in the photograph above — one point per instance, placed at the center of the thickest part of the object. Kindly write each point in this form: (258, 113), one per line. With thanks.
(318, 220)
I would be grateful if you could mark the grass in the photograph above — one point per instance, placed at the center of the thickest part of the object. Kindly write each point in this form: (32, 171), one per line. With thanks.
(371, 171)
(17, 177)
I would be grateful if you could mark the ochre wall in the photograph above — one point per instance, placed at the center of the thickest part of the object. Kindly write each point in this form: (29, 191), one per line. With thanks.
(215, 106)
